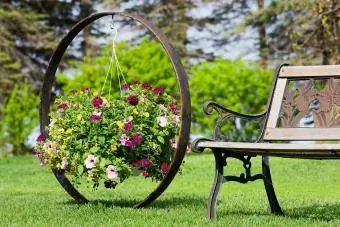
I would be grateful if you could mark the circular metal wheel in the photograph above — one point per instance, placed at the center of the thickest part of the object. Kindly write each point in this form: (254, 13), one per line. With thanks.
(184, 96)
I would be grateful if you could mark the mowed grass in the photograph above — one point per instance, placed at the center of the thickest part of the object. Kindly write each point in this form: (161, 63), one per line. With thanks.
(308, 190)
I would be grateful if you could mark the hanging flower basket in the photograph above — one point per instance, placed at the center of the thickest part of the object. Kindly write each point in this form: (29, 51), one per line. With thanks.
(106, 141)
(144, 132)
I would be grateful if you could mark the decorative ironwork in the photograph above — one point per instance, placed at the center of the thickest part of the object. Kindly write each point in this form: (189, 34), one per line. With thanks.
(311, 103)
(244, 177)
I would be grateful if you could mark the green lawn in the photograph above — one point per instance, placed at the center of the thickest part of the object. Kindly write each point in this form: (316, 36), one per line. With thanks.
(309, 192)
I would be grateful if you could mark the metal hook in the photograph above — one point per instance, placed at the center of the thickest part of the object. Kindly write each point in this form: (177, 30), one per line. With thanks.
(114, 27)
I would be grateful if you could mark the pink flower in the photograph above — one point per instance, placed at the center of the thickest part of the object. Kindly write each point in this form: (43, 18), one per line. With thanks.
(64, 163)
(111, 172)
(176, 119)
(41, 138)
(126, 141)
(144, 162)
(164, 167)
(146, 86)
(173, 107)
(91, 161)
(128, 126)
(133, 100)
(144, 173)
(137, 139)
(95, 118)
(158, 90)
(62, 106)
(125, 87)
(97, 102)
(173, 144)
(42, 162)
(161, 121)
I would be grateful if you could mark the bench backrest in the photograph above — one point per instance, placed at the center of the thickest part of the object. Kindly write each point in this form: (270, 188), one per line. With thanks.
(305, 104)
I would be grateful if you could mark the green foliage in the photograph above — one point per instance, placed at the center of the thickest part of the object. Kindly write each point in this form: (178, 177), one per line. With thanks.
(20, 117)
(108, 140)
(146, 62)
(239, 86)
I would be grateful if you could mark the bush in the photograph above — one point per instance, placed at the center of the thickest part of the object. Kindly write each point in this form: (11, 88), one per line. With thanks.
(20, 117)
(239, 86)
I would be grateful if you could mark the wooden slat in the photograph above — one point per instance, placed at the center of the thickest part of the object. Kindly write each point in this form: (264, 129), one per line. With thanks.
(299, 134)
(306, 151)
(276, 103)
(309, 71)
(307, 147)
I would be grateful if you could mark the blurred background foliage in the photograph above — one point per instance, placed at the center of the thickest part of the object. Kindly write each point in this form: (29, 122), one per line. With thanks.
(295, 31)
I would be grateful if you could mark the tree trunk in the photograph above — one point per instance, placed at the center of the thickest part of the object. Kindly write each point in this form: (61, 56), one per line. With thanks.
(263, 49)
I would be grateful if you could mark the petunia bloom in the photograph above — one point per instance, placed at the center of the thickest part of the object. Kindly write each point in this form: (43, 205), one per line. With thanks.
(158, 91)
(161, 121)
(125, 87)
(173, 107)
(126, 141)
(111, 172)
(64, 163)
(91, 161)
(176, 119)
(128, 119)
(144, 162)
(95, 118)
(144, 173)
(137, 139)
(164, 167)
(133, 100)
(128, 126)
(163, 108)
(146, 86)
(41, 138)
(97, 102)
(62, 106)
(173, 144)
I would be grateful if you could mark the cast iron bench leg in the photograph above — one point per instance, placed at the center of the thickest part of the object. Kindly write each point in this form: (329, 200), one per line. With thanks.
(218, 181)
(274, 204)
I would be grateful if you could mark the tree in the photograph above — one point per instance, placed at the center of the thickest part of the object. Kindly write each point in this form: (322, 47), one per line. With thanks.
(304, 31)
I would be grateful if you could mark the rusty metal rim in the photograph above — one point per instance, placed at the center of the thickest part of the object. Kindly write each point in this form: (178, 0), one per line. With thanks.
(184, 95)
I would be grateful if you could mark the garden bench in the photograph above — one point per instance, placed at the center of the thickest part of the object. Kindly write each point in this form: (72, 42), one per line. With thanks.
(299, 94)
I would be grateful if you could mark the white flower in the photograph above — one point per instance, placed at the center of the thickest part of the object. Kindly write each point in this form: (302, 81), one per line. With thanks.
(64, 163)
(111, 172)
(161, 121)
(97, 113)
(173, 144)
(176, 119)
(163, 108)
(91, 161)
(128, 119)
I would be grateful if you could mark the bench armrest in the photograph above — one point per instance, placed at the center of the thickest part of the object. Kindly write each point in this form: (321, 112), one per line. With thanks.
(225, 114)
(210, 106)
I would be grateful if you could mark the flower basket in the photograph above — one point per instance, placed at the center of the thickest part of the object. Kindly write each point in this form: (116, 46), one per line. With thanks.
(144, 132)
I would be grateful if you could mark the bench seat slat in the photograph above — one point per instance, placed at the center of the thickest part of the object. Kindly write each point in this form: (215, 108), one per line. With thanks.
(309, 71)
(276, 149)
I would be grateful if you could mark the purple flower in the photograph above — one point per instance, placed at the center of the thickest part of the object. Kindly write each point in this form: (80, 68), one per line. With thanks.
(133, 100)
(41, 138)
(97, 102)
(144, 162)
(125, 87)
(128, 126)
(173, 107)
(126, 141)
(146, 86)
(62, 106)
(137, 139)
(164, 167)
(158, 90)
(145, 173)
(95, 118)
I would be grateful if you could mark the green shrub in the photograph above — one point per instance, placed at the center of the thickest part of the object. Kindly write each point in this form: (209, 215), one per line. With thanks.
(20, 117)
(239, 86)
